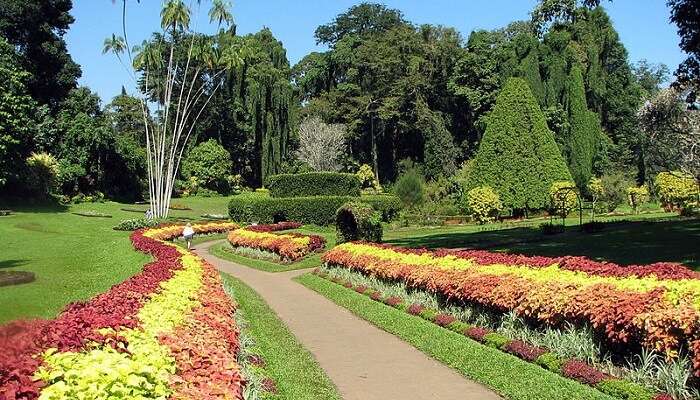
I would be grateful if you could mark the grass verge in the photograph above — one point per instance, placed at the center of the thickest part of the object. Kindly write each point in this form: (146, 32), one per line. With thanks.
(508, 375)
(294, 370)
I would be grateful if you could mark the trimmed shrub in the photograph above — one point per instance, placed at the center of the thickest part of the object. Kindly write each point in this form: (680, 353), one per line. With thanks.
(313, 184)
(495, 340)
(410, 187)
(550, 361)
(676, 190)
(358, 221)
(43, 170)
(388, 205)
(484, 204)
(518, 156)
(623, 389)
(320, 210)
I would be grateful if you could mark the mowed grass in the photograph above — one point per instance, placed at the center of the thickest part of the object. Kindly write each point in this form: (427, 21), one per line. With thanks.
(73, 257)
(509, 376)
(294, 370)
(225, 251)
(642, 239)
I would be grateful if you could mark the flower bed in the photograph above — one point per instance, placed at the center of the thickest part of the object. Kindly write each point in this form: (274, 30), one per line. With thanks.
(289, 246)
(656, 306)
(572, 368)
(167, 332)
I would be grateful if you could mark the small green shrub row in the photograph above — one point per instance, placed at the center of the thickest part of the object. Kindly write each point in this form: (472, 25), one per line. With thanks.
(319, 210)
(134, 224)
(313, 184)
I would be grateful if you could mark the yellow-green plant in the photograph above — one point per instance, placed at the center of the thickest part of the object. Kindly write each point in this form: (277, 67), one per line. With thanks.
(596, 190)
(563, 196)
(637, 196)
(676, 190)
(367, 179)
(484, 204)
(44, 170)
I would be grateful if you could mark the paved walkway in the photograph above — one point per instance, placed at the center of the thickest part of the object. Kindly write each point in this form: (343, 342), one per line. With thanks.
(363, 361)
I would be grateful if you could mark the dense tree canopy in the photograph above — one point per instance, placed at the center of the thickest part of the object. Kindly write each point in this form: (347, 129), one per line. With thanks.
(518, 156)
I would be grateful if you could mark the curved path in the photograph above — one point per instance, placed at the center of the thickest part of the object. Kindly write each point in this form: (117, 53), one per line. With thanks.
(363, 361)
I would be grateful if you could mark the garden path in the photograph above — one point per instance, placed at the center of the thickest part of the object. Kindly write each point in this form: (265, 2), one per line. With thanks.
(363, 361)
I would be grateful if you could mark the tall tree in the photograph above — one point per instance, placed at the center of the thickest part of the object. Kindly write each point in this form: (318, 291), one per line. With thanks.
(16, 115)
(686, 15)
(518, 156)
(362, 19)
(36, 29)
(582, 139)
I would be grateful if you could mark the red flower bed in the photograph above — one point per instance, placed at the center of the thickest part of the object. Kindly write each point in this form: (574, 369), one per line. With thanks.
(280, 226)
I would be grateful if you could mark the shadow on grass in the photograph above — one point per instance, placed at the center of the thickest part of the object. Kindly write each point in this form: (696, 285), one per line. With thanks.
(32, 205)
(12, 263)
(641, 242)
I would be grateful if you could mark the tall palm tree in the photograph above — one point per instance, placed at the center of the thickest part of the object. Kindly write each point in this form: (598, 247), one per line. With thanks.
(175, 14)
(114, 44)
(220, 12)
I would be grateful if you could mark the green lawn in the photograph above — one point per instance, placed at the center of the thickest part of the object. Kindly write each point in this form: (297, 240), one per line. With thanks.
(511, 377)
(73, 257)
(294, 370)
(224, 250)
(644, 239)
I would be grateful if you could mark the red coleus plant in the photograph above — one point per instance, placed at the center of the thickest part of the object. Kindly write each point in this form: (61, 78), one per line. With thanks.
(280, 226)
(444, 319)
(524, 350)
(583, 372)
(415, 309)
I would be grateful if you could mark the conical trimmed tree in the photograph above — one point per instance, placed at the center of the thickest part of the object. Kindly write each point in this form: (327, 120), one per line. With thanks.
(518, 156)
(585, 130)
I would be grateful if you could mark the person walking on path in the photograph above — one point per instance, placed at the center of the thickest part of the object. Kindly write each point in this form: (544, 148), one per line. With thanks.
(188, 233)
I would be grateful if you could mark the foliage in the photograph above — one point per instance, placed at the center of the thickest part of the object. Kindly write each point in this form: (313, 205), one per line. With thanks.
(637, 196)
(518, 157)
(615, 189)
(319, 210)
(622, 389)
(387, 205)
(484, 204)
(313, 184)
(16, 119)
(595, 190)
(637, 305)
(584, 133)
(210, 164)
(368, 182)
(289, 246)
(321, 145)
(361, 19)
(684, 13)
(43, 170)
(563, 198)
(410, 188)
(358, 221)
(36, 28)
(676, 190)
(135, 224)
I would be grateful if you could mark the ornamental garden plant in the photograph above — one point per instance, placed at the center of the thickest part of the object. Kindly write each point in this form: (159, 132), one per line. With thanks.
(288, 246)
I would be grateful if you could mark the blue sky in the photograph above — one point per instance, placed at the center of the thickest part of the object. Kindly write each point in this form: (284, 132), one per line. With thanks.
(642, 25)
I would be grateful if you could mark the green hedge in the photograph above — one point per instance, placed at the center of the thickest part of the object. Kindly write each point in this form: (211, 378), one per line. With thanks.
(319, 210)
(388, 205)
(313, 184)
(358, 221)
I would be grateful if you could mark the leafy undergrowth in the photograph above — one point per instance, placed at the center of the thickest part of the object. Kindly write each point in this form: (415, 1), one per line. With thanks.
(295, 372)
(227, 252)
(508, 375)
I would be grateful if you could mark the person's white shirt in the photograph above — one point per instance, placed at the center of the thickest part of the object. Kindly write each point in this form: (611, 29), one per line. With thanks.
(188, 231)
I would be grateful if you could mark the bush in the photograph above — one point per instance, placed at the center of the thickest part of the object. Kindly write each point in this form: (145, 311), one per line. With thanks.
(623, 389)
(210, 163)
(409, 187)
(43, 172)
(358, 221)
(563, 197)
(484, 204)
(495, 340)
(636, 196)
(550, 361)
(614, 190)
(134, 224)
(368, 182)
(676, 190)
(388, 205)
(313, 184)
